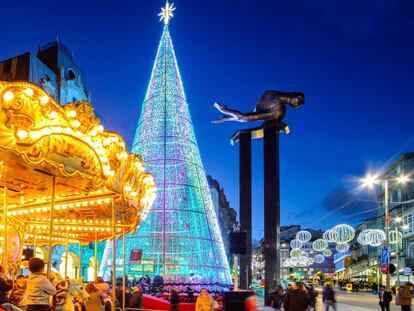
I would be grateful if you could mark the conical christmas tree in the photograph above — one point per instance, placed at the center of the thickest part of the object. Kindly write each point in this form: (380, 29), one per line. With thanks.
(180, 239)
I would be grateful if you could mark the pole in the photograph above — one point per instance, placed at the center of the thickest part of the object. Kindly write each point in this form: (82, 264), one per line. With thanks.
(123, 268)
(113, 258)
(80, 262)
(236, 273)
(398, 256)
(5, 229)
(245, 193)
(387, 230)
(66, 252)
(271, 208)
(95, 256)
(49, 244)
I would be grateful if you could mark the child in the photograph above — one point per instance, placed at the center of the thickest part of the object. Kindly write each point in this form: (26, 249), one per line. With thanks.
(17, 295)
(39, 289)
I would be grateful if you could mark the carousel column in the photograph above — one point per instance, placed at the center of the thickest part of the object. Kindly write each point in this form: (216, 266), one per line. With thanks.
(113, 257)
(66, 252)
(5, 229)
(95, 256)
(271, 208)
(246, 207)
(123, 268)
(49, 244)
(80, 262)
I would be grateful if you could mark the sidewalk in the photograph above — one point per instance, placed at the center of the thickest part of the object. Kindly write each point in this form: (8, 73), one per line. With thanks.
(346, 307)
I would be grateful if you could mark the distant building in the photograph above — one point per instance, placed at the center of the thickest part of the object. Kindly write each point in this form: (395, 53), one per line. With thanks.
(53, 68)
(226, 216)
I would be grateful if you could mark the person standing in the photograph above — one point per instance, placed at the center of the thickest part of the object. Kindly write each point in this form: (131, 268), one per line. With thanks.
(205, 302)
(312, 297)
(174, 299)
(39, 289)
(275, 299)
(136, 299)
(404, 297)
(328, 297)
(5, 286)
(385, 298)
(296, 299)
(96, 301)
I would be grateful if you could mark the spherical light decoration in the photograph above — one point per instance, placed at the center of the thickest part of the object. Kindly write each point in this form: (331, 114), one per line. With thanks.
(295, 244)
(304, 236)
(394, 237)
(327, 253)
(329, 236)
(295, 253)
(342, 247)
(343, 233)
(364, 237)
(304, 254)
(303, 261)
(311, 261)
(319, 258)
(376, 237)
(319, 245)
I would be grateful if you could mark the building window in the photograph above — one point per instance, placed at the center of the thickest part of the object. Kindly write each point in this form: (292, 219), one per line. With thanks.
(408, 220)
(71, 75)
(399, 195)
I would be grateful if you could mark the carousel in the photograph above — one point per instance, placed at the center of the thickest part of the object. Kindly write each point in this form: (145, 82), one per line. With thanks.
(64, 179)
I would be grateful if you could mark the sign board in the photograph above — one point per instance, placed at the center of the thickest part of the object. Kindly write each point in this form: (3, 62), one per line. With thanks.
(384, 256)
(407, 271)
(384, 268)
(349, 287)
(135, 256)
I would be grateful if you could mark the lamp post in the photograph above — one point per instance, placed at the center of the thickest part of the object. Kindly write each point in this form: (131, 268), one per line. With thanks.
(370, 181)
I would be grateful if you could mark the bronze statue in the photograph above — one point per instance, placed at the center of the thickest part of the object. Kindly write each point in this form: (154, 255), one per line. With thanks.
(271, 108)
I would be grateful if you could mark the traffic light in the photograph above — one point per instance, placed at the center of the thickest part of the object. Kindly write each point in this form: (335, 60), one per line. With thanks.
(238, 242)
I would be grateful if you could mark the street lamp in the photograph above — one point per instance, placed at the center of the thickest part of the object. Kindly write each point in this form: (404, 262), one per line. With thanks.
(370, 181)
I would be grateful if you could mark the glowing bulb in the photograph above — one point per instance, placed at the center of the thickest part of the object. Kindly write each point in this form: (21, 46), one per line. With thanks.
(369, 180)
(71, 113)
(8, 96)
(403, 179)
(28, 92)
(53, 114)
(22, 134)
(75, 123)
(44, 100)
(35, 135)
(100, 128)
(128, 188)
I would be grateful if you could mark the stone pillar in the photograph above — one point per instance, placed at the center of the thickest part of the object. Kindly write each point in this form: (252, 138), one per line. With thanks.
(246, 207)
(271, 208)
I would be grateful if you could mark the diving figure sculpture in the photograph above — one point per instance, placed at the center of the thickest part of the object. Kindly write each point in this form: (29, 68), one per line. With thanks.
(271, 108)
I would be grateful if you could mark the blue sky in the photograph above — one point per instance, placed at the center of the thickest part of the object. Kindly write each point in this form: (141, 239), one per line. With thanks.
(352, 59)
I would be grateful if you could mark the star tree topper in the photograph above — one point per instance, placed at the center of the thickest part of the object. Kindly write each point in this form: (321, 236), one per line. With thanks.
(167, 13)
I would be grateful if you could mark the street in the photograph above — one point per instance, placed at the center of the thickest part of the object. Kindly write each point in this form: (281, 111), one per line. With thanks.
(357, 301)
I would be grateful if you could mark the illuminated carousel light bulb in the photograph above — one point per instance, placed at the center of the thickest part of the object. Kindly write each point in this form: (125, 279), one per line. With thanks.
(35, 135)
(100, 128)
(53, 114)
(22, 134)
(7, 96)
(71, 113)
(28, 92)
(44, 100)
(75, 123)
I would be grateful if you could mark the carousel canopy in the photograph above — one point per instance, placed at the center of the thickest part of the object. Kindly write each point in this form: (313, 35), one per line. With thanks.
(61, 158)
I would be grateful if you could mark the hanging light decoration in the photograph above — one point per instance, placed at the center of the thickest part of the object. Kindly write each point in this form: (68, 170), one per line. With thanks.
(294, 253)
(342, 233)
(377, 237)
(328, 235)
(319, 258)
(364, 237)
(304, 236)
(296, 244)
(327, 253)
(394, 237)
(342, 247)
(311, 261)
(304, 254)
(319, 245)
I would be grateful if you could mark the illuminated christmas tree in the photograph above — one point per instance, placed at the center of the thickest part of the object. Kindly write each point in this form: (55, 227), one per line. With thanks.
(180, 238)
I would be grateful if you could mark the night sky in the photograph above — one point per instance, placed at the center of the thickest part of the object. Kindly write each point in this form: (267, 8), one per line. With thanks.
(352, 59)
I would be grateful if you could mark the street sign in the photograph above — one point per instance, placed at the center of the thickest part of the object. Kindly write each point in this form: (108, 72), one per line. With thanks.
(384, 256)
(407, 271)
(384, 268)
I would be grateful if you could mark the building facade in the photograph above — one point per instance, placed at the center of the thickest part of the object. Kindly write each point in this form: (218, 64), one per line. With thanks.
(226, 216)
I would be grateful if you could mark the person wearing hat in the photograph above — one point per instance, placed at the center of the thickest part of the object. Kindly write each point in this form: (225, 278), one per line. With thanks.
(136, 298)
